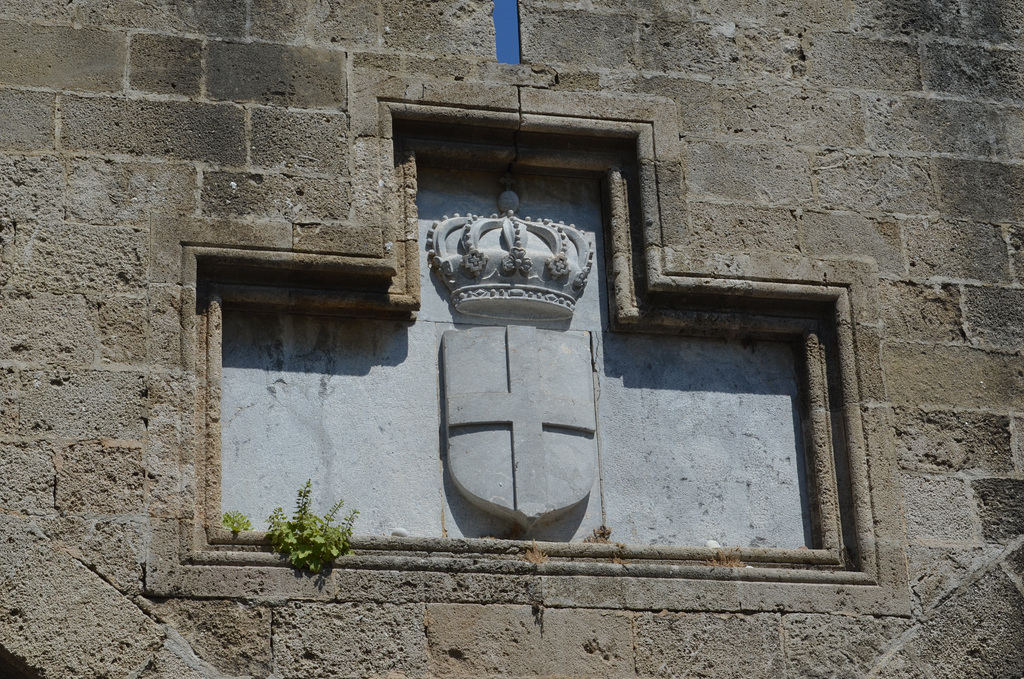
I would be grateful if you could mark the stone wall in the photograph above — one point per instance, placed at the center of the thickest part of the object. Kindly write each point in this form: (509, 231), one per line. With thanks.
(886, 133)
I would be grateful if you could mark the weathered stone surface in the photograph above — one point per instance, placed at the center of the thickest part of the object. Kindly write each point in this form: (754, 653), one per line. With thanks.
(278, 74)
(975, 189)
(991, 20)
(953, 376)
(921, 312)
(27, 120)
(69, 258)
(828, 646)
(946, 441)
(995, 316)
(175, 129)
(975, 633)
(783, 12)
(26, 477)
(343, 640)
(30, 193)
(442, 26)
(737, 228)
(667, 45)
(47, 328)
(945, 126)
(837, 234)
(936, 508)
(469, 640)
(122, 324)
(165, 64)
(62, 619)
(579, 36)
(100, 477)
(346, 239)
(773, 51)
(106, 192)
(280, 20)
(844, 60)
(232, 636)
(704, 645)
(958, 250)
(62, 58)
(973, 71)
(794, 115)
(762, 174)
(936, 571)
(400, 587)
(302, 200)
(217, 18)
(114, 548)
(354, 22)
(284, 140)
(87, 403)
(873, 183)
(1001, 508)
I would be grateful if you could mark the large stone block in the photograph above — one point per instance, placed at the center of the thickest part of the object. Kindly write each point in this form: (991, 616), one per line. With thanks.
(988, 20)
(30, 193)
(471, 640)
(348, 22)
(874, 183)
(276, 74)
(668, 45)
(100, 477)
(995, 316)
(705, 645)
(115, 547)
(974, 189)
(844, 60)
(947, 441)
(302, 200)
(936, 508)
(973, 70)
(286, 140)
(46, 328)
(176, 129)
(61, 618)
(344, 640)
(839, 234)
(26, 478)
(936, 571)
(57, 11)
(734, 228)
(834, 646)
(26, 120)
(232, 636)
(216, 18)
(773, 52)
(107, 192)
(929, 313)
(974, 633)
(762, 174)
(77, 258)
(953, 376)
(576, 37)
(1001, 508)
(440, 26)
(62, 58)
(945, 126)
(88, 403)
(788, 13)
(123, 329)
(964, 250)
(165, 64)
(794, 115)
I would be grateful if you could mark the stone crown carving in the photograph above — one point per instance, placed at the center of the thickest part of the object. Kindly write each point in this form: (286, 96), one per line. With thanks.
(506, 267)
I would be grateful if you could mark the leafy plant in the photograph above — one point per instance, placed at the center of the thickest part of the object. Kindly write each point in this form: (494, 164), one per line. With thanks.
(236, 522)
(726, 558)
(534, 555)
(309, 540)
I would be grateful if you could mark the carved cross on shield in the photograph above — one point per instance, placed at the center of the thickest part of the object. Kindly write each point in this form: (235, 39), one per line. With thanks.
(520, 419)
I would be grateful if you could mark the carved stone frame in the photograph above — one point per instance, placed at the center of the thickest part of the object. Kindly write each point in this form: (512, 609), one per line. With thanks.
(827, 308)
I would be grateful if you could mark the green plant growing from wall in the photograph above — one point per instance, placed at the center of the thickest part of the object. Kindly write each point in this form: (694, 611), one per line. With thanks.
(309, 540)
(236, 522)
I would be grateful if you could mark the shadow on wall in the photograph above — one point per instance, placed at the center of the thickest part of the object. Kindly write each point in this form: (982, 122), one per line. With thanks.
(14, 668)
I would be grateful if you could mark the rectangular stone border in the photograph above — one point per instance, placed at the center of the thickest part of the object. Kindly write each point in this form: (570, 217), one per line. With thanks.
(191, 558)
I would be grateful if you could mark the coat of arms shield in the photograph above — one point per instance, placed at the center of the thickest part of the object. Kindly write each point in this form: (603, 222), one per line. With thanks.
(520, 419)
